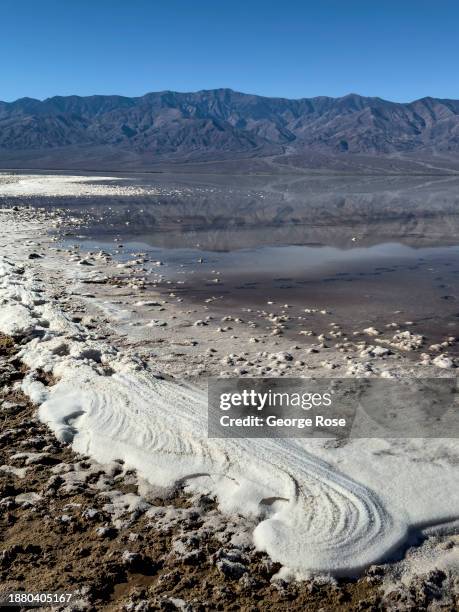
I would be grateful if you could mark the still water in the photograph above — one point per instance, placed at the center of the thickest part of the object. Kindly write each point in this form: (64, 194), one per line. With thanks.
(370, 250)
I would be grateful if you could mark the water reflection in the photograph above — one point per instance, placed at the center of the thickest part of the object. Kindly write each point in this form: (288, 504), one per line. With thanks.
(228, 213)
(368, 249)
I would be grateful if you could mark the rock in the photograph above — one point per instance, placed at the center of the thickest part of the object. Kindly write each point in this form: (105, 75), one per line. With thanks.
(230, 569)
(127, 503)
(7, 375)
(35, 458)
(10, 407)
(443, 361)
(375, 351)
(10, 469)
(359, 369)
(235, 555)
(371, 331)
(249, 583)
(91, 513)
(65, 518)
(106, 532)
(130, 558)
(407, 341)
(53, 484)
(329, 365)
(307, 332)
(194, 557)
(157, 323)
(282, 356)
(29, 498)
(380, 351)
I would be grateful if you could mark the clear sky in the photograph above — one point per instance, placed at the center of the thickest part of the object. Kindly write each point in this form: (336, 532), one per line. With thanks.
(398, 50)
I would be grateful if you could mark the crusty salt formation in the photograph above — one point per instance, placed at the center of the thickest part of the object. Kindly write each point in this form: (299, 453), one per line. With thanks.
(320, 507)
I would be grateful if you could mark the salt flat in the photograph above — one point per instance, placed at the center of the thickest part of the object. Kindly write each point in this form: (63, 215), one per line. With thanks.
(336, 509)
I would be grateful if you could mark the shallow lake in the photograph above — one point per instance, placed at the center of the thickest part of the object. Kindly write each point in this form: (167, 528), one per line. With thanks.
(371, 250)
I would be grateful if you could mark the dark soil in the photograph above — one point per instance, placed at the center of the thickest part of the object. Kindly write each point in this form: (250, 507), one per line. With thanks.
(67, 540)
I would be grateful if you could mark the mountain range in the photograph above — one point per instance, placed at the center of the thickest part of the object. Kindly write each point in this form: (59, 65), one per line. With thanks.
(228, 130)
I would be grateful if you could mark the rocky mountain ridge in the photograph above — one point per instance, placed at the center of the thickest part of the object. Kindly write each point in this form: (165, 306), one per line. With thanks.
(222, 124)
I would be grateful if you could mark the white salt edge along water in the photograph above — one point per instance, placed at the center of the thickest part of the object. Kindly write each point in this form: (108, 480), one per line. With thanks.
(320, 509)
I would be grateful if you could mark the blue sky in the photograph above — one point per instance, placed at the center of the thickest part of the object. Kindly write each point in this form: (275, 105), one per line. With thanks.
(397, 50)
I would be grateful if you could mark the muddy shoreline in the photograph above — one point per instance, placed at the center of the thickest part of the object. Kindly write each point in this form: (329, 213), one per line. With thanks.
(60, 532)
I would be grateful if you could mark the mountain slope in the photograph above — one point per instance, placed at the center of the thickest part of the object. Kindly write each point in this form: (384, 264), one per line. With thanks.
(223, 124)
